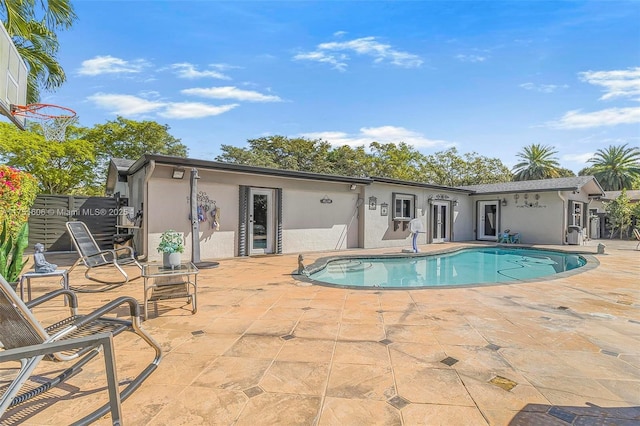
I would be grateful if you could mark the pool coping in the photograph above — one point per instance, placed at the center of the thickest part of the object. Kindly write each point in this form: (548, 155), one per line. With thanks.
(591, 263)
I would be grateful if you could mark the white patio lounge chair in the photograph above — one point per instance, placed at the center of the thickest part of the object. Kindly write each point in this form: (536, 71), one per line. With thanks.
(92, 256)
(77, 338)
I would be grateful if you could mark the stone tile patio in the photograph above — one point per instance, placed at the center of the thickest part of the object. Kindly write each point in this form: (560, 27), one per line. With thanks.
(266, 349)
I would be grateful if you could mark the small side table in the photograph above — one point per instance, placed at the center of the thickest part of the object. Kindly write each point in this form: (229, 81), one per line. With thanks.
(169, 283)
(62, 273)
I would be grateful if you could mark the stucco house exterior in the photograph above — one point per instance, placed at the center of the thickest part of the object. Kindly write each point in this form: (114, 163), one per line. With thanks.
(246, 210)
(542, 211)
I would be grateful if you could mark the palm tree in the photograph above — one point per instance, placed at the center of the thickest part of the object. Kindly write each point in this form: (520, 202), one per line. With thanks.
(537, 162)
(32, 26)
(616, 167)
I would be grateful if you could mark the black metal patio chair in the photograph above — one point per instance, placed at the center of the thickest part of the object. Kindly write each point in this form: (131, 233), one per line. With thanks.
(92, 256)
(26, 339)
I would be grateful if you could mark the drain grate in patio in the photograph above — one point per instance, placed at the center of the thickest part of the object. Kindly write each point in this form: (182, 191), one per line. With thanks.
(287, 337)
(197, 333)
(503, 382)
(385, 341)
(493, 347)
(449, 361)
(254, 391)
(610, 353)
(398, 402)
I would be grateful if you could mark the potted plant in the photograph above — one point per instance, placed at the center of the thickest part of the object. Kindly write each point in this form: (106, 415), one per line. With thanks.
(11, 252)
(171, 246)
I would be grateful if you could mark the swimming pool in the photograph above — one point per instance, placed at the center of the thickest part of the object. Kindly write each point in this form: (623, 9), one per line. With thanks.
(464, 267)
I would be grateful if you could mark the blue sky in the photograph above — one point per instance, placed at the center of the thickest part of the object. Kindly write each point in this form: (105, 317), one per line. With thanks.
(484, 76)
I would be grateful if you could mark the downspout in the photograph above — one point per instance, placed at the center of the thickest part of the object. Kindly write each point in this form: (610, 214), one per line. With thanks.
(145, 216)
(563, 231)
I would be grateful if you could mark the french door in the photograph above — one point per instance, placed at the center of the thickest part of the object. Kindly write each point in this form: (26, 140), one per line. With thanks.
(440, 225)
(488, 220)
(261, 240)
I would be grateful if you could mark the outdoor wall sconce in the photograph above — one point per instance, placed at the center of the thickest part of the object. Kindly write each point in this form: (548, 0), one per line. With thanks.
(504, 202)
(384, 209)
(455, 202)
(353, 187)
(178, 173)
(326, 200)
(373, 203)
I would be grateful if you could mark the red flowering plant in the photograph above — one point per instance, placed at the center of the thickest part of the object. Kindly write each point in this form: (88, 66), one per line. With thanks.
(18, 191)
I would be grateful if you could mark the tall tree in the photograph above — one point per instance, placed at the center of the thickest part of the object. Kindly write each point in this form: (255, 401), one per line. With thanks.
(33, 25)
(59, 167)
(281, 152)
(616, 167)
(619, 212)
(538, 162)
(130, 139)
(396, 161)
(448, 168)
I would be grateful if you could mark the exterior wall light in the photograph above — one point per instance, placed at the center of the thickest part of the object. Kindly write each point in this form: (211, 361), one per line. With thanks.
(504, 202)
(353, 187)
(178, 173)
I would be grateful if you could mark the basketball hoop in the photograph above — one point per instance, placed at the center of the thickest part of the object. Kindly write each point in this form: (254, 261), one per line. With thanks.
(54, 119)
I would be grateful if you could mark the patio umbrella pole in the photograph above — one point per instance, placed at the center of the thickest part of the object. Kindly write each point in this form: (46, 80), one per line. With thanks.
(195, 225)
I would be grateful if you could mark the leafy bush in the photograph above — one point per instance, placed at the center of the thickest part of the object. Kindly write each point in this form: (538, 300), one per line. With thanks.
(17, 193)
(171, 242)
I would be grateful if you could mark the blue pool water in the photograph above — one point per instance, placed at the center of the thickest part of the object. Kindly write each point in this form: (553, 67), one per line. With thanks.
(464, 267)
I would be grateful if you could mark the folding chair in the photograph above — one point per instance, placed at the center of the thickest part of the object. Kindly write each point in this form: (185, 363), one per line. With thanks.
(91, 256)
(20, 331)
(636, 234)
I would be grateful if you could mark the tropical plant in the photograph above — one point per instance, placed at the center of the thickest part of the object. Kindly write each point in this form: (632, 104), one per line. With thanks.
(616, 167)
(32, 26)
(171, 242)
(11, 252)
(17, 194)
(538, 162)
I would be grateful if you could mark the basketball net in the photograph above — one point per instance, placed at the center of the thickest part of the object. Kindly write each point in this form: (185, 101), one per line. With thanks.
(53, 119)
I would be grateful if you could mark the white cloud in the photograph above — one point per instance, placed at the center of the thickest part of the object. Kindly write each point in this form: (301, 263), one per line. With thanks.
(332, 53)
(543, 88)
(189, 71)
(231, 92)
(606, 117)
(382, 134)
(577, 158)
(471, 58)
(129, 105)
(617, 83)
(125, 104)
(110, 65)
(194, 110)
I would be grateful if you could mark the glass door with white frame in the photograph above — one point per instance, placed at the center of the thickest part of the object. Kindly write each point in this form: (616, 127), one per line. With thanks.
(440, 222)
(260, 221)
(488, 220)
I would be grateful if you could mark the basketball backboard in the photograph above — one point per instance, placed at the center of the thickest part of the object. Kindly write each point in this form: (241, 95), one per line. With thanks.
(13, 78)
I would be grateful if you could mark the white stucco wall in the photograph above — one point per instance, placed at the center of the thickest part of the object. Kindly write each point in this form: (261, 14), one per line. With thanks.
(308, 225)
(379, 230)
(539, 221)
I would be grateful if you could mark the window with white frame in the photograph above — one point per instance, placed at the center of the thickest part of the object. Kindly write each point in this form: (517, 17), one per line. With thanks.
(403, 206)
(575, 214)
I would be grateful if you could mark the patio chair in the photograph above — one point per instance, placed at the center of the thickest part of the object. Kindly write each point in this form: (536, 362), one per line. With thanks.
(24, 338)
(636, 234)
(93, 257)
(504, 237)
